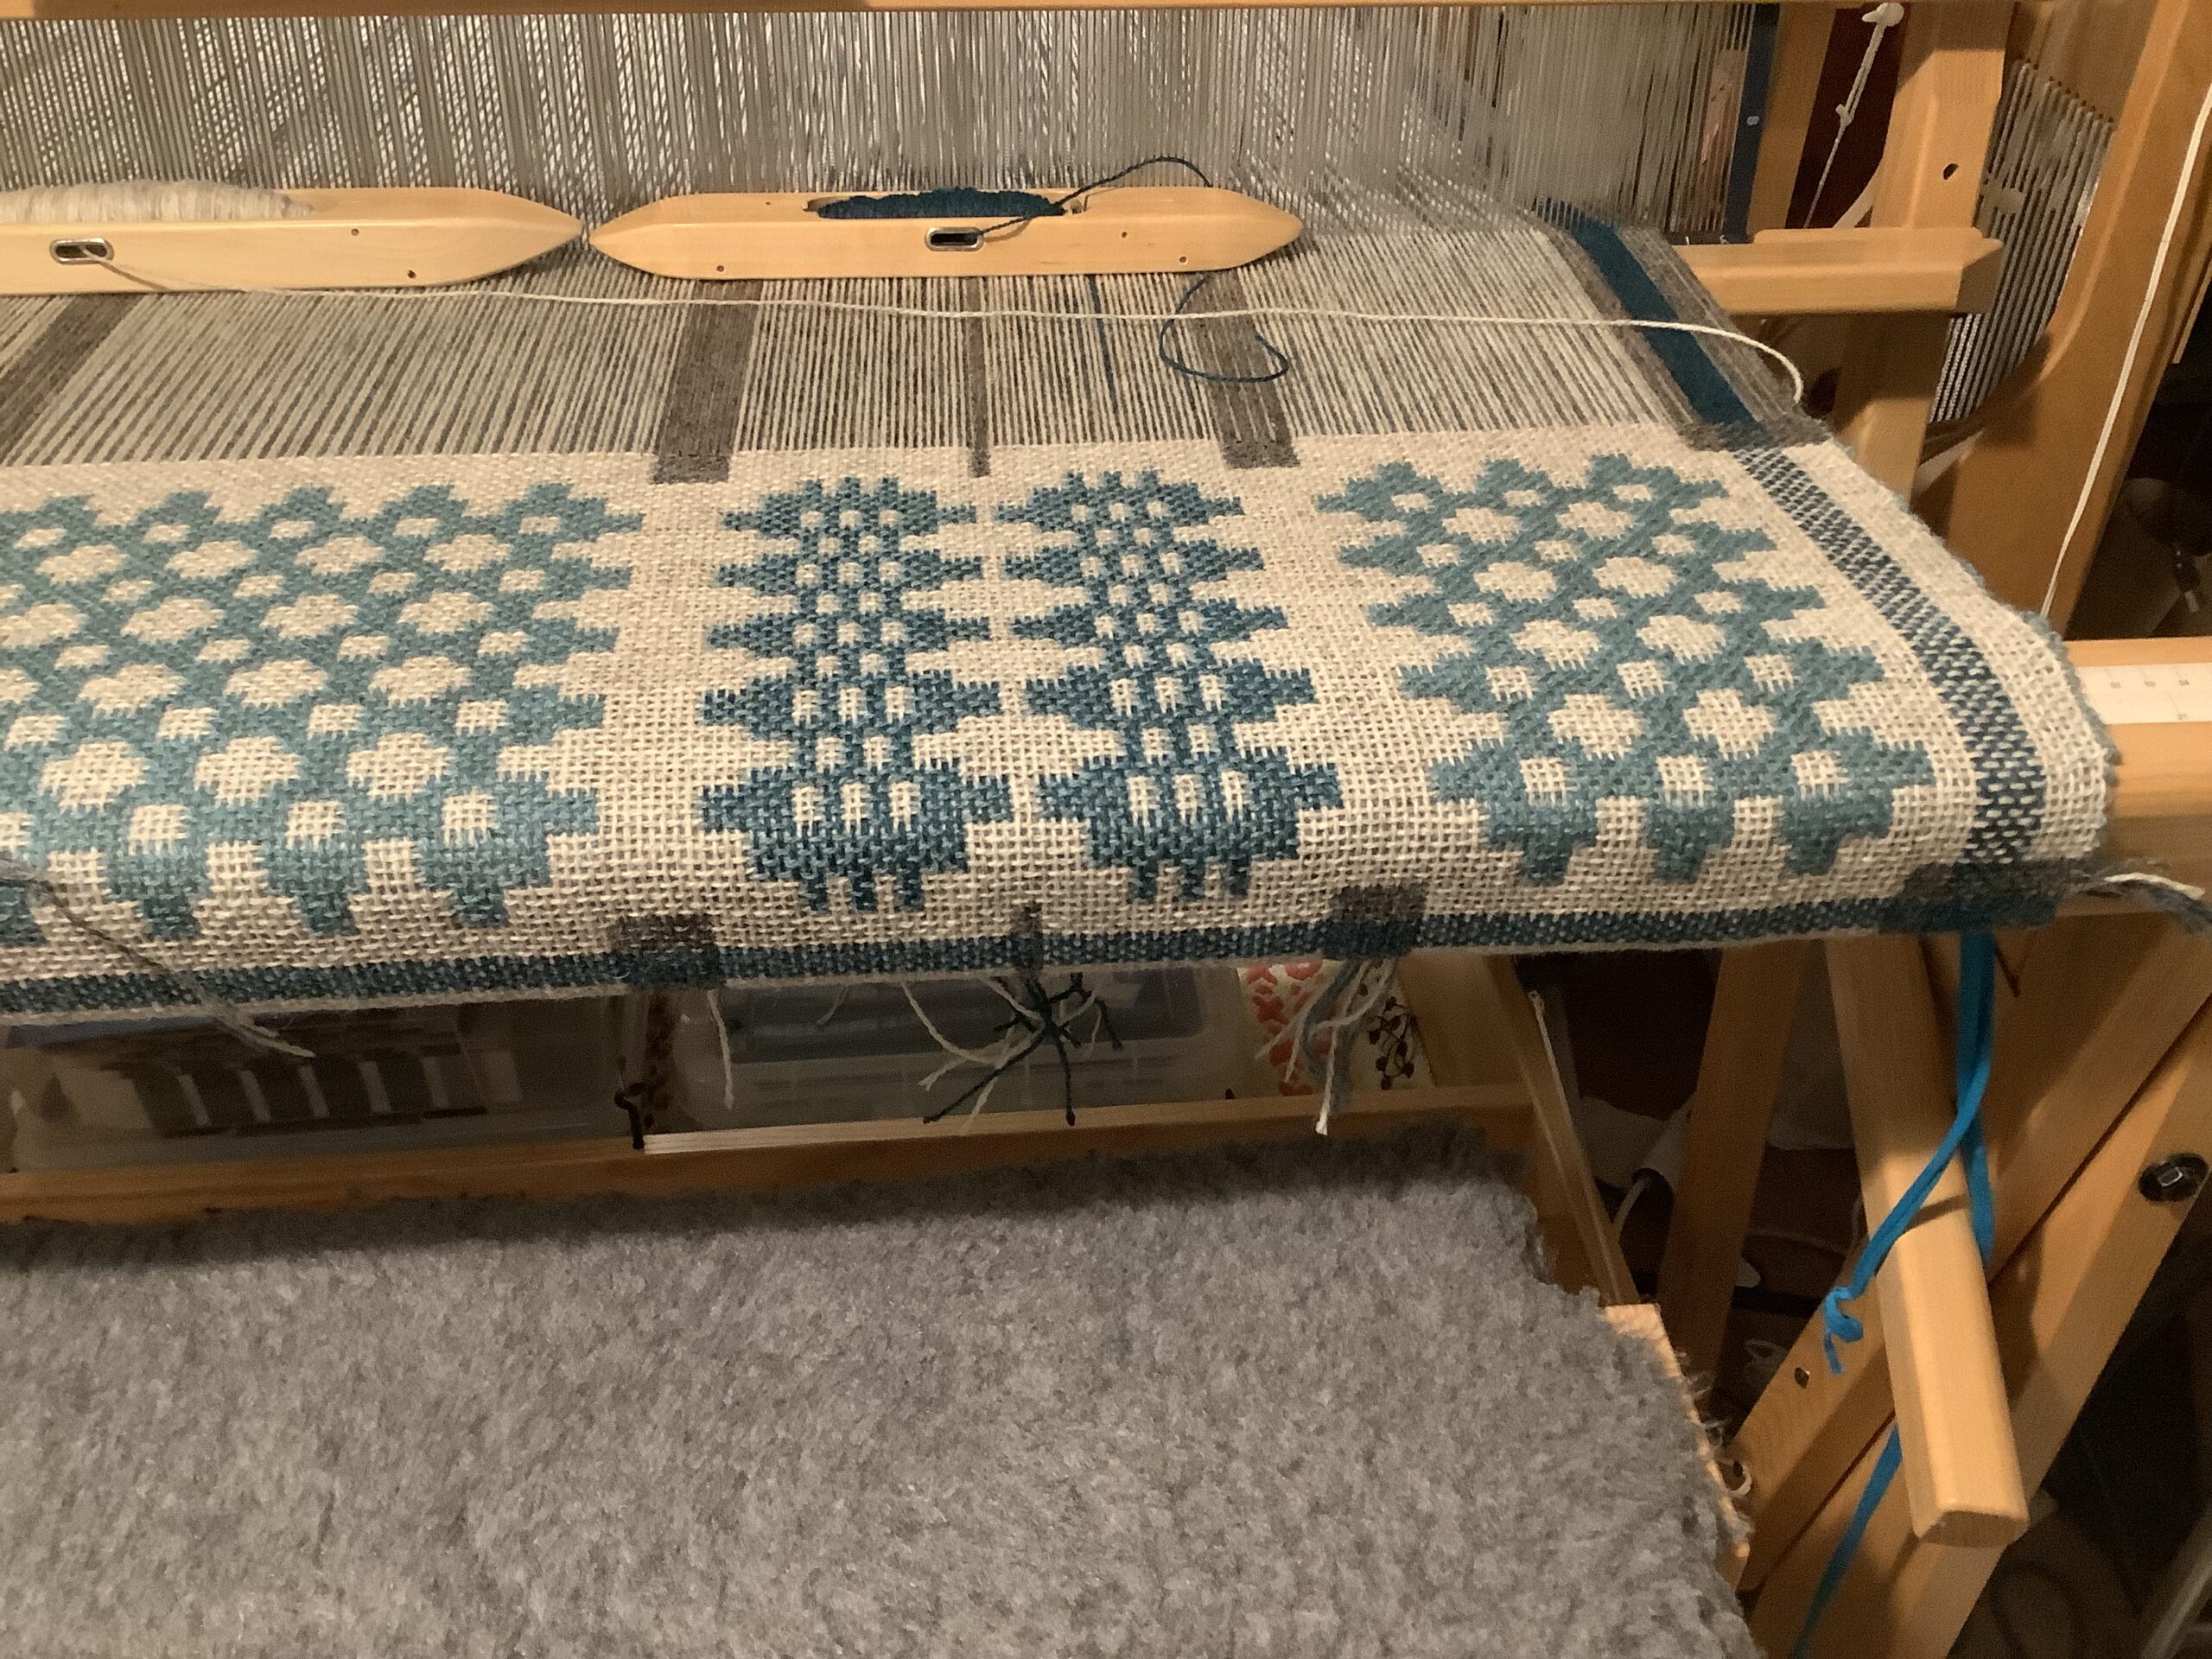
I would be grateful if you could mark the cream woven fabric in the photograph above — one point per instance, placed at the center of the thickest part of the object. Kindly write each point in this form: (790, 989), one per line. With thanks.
(836, 664)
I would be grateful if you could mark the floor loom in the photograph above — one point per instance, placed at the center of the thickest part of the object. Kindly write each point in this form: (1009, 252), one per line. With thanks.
(2098, 1106)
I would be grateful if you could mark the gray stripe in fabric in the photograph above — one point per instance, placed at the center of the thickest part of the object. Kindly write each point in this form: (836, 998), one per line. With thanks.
(42, 374)
(220, 377)
(1605, 302)
(1369, 377)
(699, 416)
(1248, 417)
(861, 377)
(975, 376)
(1751, 374)
(1096, 378)
(2009, 780)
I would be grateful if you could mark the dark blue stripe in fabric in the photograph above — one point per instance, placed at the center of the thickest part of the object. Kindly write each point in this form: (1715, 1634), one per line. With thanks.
(1711, 396)
(2010, 784)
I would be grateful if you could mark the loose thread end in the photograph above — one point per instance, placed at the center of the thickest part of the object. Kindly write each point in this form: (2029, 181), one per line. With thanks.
(15, 872)
(2187, 904)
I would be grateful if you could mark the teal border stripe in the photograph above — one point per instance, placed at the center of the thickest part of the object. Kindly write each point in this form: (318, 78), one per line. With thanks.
(1712, 397)
(2011, 783)
(2028, 900)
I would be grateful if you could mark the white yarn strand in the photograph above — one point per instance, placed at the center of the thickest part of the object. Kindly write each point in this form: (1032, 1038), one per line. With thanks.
(1884, 17)
(2190, 159)
(1341, 1031)
(1080, 319)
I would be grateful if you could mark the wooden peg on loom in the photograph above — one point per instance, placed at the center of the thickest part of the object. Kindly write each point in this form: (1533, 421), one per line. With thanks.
(1962, 1471)
(311, 239)
(1131, 229)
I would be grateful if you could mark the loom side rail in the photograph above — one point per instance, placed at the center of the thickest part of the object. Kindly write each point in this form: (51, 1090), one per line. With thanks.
(1961, 1473)
(2162, 786)
(715, 1160)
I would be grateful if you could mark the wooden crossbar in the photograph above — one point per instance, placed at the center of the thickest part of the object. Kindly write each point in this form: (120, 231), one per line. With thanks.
(1936, 267)
(785, 1155)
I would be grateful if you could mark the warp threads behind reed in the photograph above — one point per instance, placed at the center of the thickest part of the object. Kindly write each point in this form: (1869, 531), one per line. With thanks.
(1351, 117)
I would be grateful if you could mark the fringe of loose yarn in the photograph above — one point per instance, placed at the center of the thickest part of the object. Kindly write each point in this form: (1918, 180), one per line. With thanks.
(2188, 905)
(1323, 1029)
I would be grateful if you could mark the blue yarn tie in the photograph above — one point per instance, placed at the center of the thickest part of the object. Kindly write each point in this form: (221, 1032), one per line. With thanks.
(1976, 983)
(1977, 999)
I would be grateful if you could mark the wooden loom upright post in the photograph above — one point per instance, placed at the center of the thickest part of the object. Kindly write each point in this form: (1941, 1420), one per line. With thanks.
(1738, 1080)
(1801, 48)
(2102, 1002)
(1953, 75)
(2060, 1305)
(2026, 500)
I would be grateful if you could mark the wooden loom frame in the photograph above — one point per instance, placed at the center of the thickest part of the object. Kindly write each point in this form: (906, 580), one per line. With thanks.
(2093, 1084)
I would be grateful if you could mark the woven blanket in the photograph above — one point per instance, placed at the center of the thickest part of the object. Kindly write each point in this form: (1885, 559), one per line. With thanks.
(375, 649)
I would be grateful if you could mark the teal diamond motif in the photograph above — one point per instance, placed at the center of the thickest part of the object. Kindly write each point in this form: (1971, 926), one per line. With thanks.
(1182, 789)
(294, 685)
(855, 803)
(1614, 650)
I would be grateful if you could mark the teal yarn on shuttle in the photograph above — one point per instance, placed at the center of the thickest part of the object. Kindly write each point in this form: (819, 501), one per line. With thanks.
(959, 201)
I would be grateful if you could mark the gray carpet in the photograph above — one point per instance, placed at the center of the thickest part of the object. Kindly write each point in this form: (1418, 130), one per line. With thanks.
(1305, 1400)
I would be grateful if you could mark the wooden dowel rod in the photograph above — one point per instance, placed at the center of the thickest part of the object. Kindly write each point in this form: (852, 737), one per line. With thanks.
(1961, 1473)
(1563, 1182)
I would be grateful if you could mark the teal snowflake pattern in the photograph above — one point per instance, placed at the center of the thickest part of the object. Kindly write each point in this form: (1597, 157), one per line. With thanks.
(1183, 790)
(303, 681)
(1610, 653)
(854, 803)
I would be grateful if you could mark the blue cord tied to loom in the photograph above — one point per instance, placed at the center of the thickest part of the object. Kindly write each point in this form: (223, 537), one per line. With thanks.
(1021, 206)
(1977, 999)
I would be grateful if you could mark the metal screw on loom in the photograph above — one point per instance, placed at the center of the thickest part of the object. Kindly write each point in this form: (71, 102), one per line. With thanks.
(2172, 1179)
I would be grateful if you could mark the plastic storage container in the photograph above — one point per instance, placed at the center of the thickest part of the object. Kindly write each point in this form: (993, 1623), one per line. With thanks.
(382, 1080)
(818, 1054)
